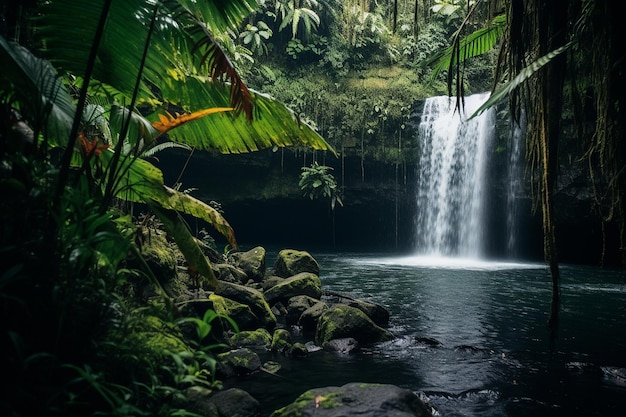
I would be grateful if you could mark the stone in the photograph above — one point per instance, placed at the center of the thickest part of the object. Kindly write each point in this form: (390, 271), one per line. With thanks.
(356, 399)
(340, 321)
(229, 273)
(309, 317)
(235, 402)
(259, 338)
(344, 346)
(252, 262)
(238, 362)
(251, 297)
(296, 306)
(290, 262)
(303, 283)
(376, 312)
(281, 340)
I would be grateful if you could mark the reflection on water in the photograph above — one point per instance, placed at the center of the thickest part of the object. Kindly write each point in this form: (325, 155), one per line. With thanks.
(471, 338)
(441, 262)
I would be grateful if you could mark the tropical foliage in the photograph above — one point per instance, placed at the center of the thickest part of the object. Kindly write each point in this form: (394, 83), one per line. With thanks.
(86, 98)
(317, 181)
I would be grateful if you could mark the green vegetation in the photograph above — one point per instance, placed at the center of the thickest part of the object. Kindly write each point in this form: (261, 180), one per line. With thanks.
(90, 91)
(82, 110)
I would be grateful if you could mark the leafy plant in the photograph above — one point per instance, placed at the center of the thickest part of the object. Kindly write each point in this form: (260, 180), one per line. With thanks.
(116, 82)
(317, 181)
(255, 36)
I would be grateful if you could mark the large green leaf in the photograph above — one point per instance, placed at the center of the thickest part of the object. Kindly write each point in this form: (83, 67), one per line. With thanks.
(37, 88)
(521, 77)
(177, 228)
(171, 70)
(68, 37)
(273, 125)
(142, 182)
(462, 49)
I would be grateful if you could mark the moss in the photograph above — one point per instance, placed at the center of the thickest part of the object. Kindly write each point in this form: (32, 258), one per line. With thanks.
(259, 337)
(330, 400)
(307, 399)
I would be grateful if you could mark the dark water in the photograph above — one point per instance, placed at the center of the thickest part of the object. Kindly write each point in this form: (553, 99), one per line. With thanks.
(471, 338)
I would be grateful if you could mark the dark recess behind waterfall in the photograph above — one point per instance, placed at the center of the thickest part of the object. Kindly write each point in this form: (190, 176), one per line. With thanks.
(260, 198)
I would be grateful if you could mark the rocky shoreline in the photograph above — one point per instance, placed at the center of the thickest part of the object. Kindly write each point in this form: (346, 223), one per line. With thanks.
(268, 304)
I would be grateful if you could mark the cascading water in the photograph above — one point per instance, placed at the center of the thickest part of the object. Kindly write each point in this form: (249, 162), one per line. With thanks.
(515, 187)
(452, 177)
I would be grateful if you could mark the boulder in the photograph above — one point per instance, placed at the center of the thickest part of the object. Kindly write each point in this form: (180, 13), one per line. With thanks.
(238, 362)
(376, 312)
(345, 346)
(232, 402)
(251, 262)
(298, 350)
(160, 257)
(340, 321)
(309, 317)
(269, 281)
(290, 262)
(241, 313)
(303, 283)
(229, 273)
(251, 297)
(296, 306)
(356, 399)
(281, 340)
(259, 338)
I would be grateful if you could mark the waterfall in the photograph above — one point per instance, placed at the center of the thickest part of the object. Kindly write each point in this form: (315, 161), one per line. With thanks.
(515, 187)
(452, 179)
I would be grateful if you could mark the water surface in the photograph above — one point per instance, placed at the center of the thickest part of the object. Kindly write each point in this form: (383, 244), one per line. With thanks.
(471, 338)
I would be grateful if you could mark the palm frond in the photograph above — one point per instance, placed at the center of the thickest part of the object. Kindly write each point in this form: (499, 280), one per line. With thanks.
(521, 77)
(38, 90)
(168, 122)
(220, 66)
(146, 153)
(475, 44)
(274, 124)
(143, 182)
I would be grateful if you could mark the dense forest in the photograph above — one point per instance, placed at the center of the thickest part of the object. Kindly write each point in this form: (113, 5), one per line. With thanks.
(99, 98)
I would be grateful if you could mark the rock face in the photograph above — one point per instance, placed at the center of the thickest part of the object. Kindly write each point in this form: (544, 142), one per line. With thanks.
(356, 399)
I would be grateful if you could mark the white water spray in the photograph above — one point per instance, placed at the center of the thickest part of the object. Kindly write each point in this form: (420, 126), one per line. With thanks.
(515, 187)
(452, 177)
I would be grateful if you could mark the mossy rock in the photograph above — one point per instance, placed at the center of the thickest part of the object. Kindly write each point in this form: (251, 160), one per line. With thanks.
(238, 362)
(241, 313)
(342, 321)
(290, 262)
(154, 340)
(259, 338)
(250, 297)
(251, 262)
(356, 399)
(281, 340)
(304, 283)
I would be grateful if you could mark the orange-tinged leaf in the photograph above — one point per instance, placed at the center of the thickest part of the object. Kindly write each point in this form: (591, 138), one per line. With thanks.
(91, 147)
(168, 122)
